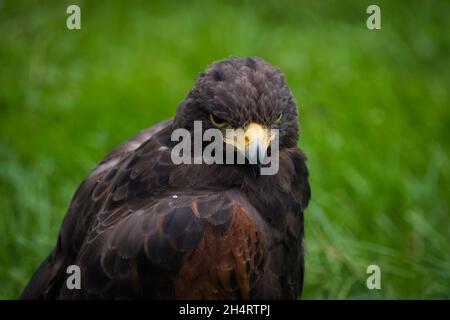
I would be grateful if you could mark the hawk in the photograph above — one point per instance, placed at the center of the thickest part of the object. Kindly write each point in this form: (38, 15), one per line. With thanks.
(141, 227)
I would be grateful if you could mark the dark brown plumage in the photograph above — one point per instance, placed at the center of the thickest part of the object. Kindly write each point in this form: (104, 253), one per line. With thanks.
(142, 227)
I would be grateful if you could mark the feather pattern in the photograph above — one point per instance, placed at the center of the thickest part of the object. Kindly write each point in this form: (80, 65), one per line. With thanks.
(141, 227)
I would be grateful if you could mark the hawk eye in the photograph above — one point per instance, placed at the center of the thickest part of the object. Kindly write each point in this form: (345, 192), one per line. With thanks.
(218, 122)
(279, 118)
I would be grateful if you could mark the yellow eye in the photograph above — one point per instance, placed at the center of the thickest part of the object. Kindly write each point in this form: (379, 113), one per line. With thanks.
(218, 122)
(279, 118)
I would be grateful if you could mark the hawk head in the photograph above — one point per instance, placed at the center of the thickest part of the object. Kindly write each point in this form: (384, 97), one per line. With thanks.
(247, 94)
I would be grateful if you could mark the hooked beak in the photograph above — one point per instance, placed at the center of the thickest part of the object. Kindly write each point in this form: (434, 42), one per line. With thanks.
(252, 142)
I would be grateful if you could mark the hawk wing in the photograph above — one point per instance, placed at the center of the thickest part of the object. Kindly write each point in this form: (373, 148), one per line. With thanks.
(47, 280)
(197, 247)
(133, 238)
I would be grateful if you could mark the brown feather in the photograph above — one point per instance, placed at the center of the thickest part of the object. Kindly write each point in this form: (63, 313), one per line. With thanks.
(141, 227)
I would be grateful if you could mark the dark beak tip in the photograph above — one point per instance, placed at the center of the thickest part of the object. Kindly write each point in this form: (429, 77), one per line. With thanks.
(256, 170)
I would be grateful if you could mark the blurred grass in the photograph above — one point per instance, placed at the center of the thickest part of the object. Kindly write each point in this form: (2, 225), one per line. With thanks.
(374, 109)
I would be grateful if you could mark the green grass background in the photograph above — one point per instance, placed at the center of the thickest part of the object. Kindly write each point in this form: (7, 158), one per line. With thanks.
(374, 109)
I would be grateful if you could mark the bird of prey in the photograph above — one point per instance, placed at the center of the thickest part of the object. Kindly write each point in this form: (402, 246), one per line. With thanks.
(142, 227)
